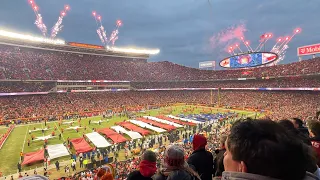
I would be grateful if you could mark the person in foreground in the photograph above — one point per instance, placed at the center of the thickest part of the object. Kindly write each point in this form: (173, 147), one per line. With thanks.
(264, 150)
(175, 167)
(201, 159)
(147, 167)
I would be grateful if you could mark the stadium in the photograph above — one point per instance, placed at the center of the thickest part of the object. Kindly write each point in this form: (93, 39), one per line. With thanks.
(72, 110)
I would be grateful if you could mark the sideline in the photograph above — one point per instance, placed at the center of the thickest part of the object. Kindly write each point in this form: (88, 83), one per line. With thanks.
(24, 142)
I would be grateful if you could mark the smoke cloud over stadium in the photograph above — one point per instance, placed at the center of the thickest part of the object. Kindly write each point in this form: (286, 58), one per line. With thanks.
(229, 35)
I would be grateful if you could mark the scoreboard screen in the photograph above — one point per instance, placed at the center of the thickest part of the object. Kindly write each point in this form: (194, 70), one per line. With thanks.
(249, 60)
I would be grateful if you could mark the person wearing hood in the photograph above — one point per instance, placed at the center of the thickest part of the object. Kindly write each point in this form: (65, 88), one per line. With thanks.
(147, 167)
(175, 167)
(201, 159)
(264, 150)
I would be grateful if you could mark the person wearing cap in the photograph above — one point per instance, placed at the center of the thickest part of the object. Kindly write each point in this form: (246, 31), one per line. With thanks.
(147, 167)
(175, 167)
(201, 159)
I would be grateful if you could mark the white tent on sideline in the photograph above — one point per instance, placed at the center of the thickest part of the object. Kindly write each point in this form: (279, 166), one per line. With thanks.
(98, 140)
(57, 150)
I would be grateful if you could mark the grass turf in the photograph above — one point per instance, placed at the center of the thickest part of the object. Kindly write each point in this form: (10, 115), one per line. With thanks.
(17, 141)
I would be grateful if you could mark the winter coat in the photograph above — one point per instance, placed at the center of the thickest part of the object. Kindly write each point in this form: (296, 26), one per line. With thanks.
(136, 175)
(218, 163)
(202, 161)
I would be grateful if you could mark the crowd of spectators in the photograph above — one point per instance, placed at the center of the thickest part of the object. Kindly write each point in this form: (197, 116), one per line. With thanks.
(265, 83)
(281, 104)
(36, 64)
(38, 86)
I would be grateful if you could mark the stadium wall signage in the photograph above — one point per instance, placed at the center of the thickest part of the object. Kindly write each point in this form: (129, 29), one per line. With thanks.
(308, 50)
(207, 64)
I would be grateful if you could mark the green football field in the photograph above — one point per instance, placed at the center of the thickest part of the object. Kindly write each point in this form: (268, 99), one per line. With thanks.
(17, 141)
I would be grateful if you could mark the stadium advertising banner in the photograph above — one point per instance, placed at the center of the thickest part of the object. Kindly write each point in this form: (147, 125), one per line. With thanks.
(249, 60)
(309, 50)
(91, 46)
(207, 64)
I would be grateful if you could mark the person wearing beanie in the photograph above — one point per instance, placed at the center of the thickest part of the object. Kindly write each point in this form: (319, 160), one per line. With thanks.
(147, 167)
(175, 167)
(201, 159)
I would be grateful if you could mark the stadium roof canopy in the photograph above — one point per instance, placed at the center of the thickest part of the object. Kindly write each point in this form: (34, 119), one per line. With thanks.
(30, 41)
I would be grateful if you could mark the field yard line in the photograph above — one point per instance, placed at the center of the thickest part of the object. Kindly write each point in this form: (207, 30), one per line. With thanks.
(24, 142)
(59, 131)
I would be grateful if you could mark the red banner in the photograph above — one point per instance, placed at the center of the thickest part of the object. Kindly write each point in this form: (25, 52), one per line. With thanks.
(309, 50)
